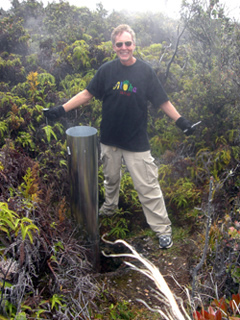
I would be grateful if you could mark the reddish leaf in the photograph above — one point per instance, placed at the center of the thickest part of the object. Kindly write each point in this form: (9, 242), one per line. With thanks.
(207, 315)
(235, 302)
(221, 304)
(218, 315)
(211, 311)
(197, 315)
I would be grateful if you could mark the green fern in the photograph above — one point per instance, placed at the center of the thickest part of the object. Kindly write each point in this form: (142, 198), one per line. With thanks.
(25, 139)
(10, 221)
(3, 128)
(49, 133)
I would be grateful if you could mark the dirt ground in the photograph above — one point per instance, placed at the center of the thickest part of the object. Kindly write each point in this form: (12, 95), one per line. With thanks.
(123, 283)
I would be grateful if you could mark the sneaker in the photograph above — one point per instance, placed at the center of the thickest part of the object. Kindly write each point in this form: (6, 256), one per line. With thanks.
(103, 211)
(165, 242)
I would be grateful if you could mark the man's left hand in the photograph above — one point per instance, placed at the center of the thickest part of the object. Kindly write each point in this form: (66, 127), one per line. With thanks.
(185, 125)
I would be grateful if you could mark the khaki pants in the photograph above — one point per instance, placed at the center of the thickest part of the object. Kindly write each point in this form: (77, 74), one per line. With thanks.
(144, 174)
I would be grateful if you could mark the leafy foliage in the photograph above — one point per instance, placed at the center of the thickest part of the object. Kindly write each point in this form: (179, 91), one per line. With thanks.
(219, 309)
(47, 55)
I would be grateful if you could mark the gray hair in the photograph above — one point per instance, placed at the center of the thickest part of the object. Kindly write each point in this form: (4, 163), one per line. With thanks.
(120, 29)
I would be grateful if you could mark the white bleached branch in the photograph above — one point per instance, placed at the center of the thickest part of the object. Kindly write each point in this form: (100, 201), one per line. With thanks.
(172, 310)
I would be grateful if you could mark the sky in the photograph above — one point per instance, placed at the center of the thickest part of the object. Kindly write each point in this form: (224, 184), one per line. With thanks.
(169, 7)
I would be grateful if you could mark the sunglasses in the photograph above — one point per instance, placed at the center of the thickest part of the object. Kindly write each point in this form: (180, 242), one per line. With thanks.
(120, 44)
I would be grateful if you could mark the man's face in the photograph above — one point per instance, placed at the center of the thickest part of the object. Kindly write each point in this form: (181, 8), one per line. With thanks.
(124, 48)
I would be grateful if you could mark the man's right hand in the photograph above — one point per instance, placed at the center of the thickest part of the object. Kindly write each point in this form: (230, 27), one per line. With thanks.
(54, 113)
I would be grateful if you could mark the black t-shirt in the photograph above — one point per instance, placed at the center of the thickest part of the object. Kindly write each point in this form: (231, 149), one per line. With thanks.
(125, 91)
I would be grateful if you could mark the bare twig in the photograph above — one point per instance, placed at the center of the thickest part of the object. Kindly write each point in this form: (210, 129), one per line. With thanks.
(5, 274)
(209, 221)
(174, 54)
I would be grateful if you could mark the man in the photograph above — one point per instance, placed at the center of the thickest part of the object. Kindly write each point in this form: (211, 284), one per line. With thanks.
(125, 85)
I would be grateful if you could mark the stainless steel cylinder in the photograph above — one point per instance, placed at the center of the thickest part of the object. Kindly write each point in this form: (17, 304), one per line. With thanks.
(83, 170)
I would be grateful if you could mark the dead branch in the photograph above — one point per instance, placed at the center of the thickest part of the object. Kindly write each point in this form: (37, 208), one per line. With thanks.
(174, 54)
(171, 308)
(209, 222)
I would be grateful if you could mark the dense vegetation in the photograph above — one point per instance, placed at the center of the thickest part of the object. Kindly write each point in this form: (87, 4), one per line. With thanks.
(49, 54)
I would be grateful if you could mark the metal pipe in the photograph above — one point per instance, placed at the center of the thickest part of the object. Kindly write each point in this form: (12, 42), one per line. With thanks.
(83, 170)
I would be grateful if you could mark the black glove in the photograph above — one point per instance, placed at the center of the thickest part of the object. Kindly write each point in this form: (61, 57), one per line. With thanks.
(54, 113)
(185, 126)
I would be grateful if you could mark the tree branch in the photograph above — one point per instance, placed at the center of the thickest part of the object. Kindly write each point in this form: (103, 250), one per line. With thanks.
(174, 54)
